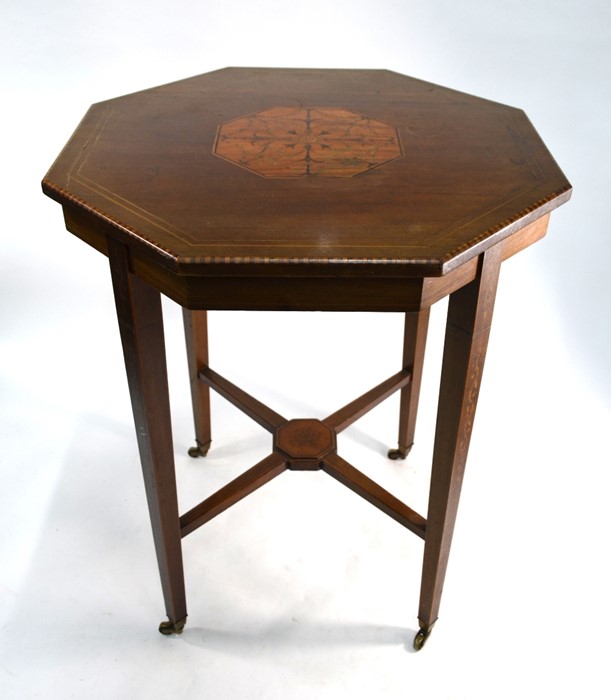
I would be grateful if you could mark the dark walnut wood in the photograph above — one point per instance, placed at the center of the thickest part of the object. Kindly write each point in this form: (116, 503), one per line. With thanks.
(318, 190)
(196, 338)
(141, 327)
(362, 176)
(305, 442)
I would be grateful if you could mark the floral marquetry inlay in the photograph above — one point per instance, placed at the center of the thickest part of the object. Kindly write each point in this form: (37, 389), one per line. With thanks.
(307, 142)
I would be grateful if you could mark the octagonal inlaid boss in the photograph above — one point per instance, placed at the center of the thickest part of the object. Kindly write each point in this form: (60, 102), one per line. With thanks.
(305, 441)
(307, 142)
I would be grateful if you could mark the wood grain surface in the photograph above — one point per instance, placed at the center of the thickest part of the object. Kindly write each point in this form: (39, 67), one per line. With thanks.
(143, 168)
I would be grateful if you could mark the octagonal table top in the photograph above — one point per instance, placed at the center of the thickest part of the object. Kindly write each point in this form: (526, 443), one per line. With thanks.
(249, 166)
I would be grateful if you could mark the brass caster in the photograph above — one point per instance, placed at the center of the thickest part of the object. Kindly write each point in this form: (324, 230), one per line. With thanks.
(421, 637)
(399, 452)
(199, 450)
(167, 628)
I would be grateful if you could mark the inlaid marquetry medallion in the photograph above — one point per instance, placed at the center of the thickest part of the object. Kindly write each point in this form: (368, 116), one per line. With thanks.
(305, 441)
(283, 142)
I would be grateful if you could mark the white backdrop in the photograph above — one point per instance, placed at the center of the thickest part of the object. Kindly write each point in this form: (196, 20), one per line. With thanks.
(288, 599)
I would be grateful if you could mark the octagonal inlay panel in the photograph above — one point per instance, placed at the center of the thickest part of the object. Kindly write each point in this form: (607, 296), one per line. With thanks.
(307, 142)
(305, 441)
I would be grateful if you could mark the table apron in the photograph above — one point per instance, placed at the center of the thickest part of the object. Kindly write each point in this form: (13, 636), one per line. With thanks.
(300, 292)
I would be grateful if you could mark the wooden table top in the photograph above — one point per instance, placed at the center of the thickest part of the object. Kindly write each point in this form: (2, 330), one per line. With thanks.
(249, 167)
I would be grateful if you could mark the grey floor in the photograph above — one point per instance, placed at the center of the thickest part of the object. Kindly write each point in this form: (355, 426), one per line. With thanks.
(304, 590)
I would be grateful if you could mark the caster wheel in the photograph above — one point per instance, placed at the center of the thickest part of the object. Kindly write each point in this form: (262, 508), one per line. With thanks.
(420, 638)
(167, 628)
(399, 452)
(199, 450)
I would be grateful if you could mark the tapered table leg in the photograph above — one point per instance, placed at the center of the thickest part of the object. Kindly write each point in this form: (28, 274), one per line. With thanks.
(468, 327)
(196, 336)
(141, 326)
(414, 344)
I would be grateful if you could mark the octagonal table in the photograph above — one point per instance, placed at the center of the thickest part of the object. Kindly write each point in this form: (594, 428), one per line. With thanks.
(328, 190)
